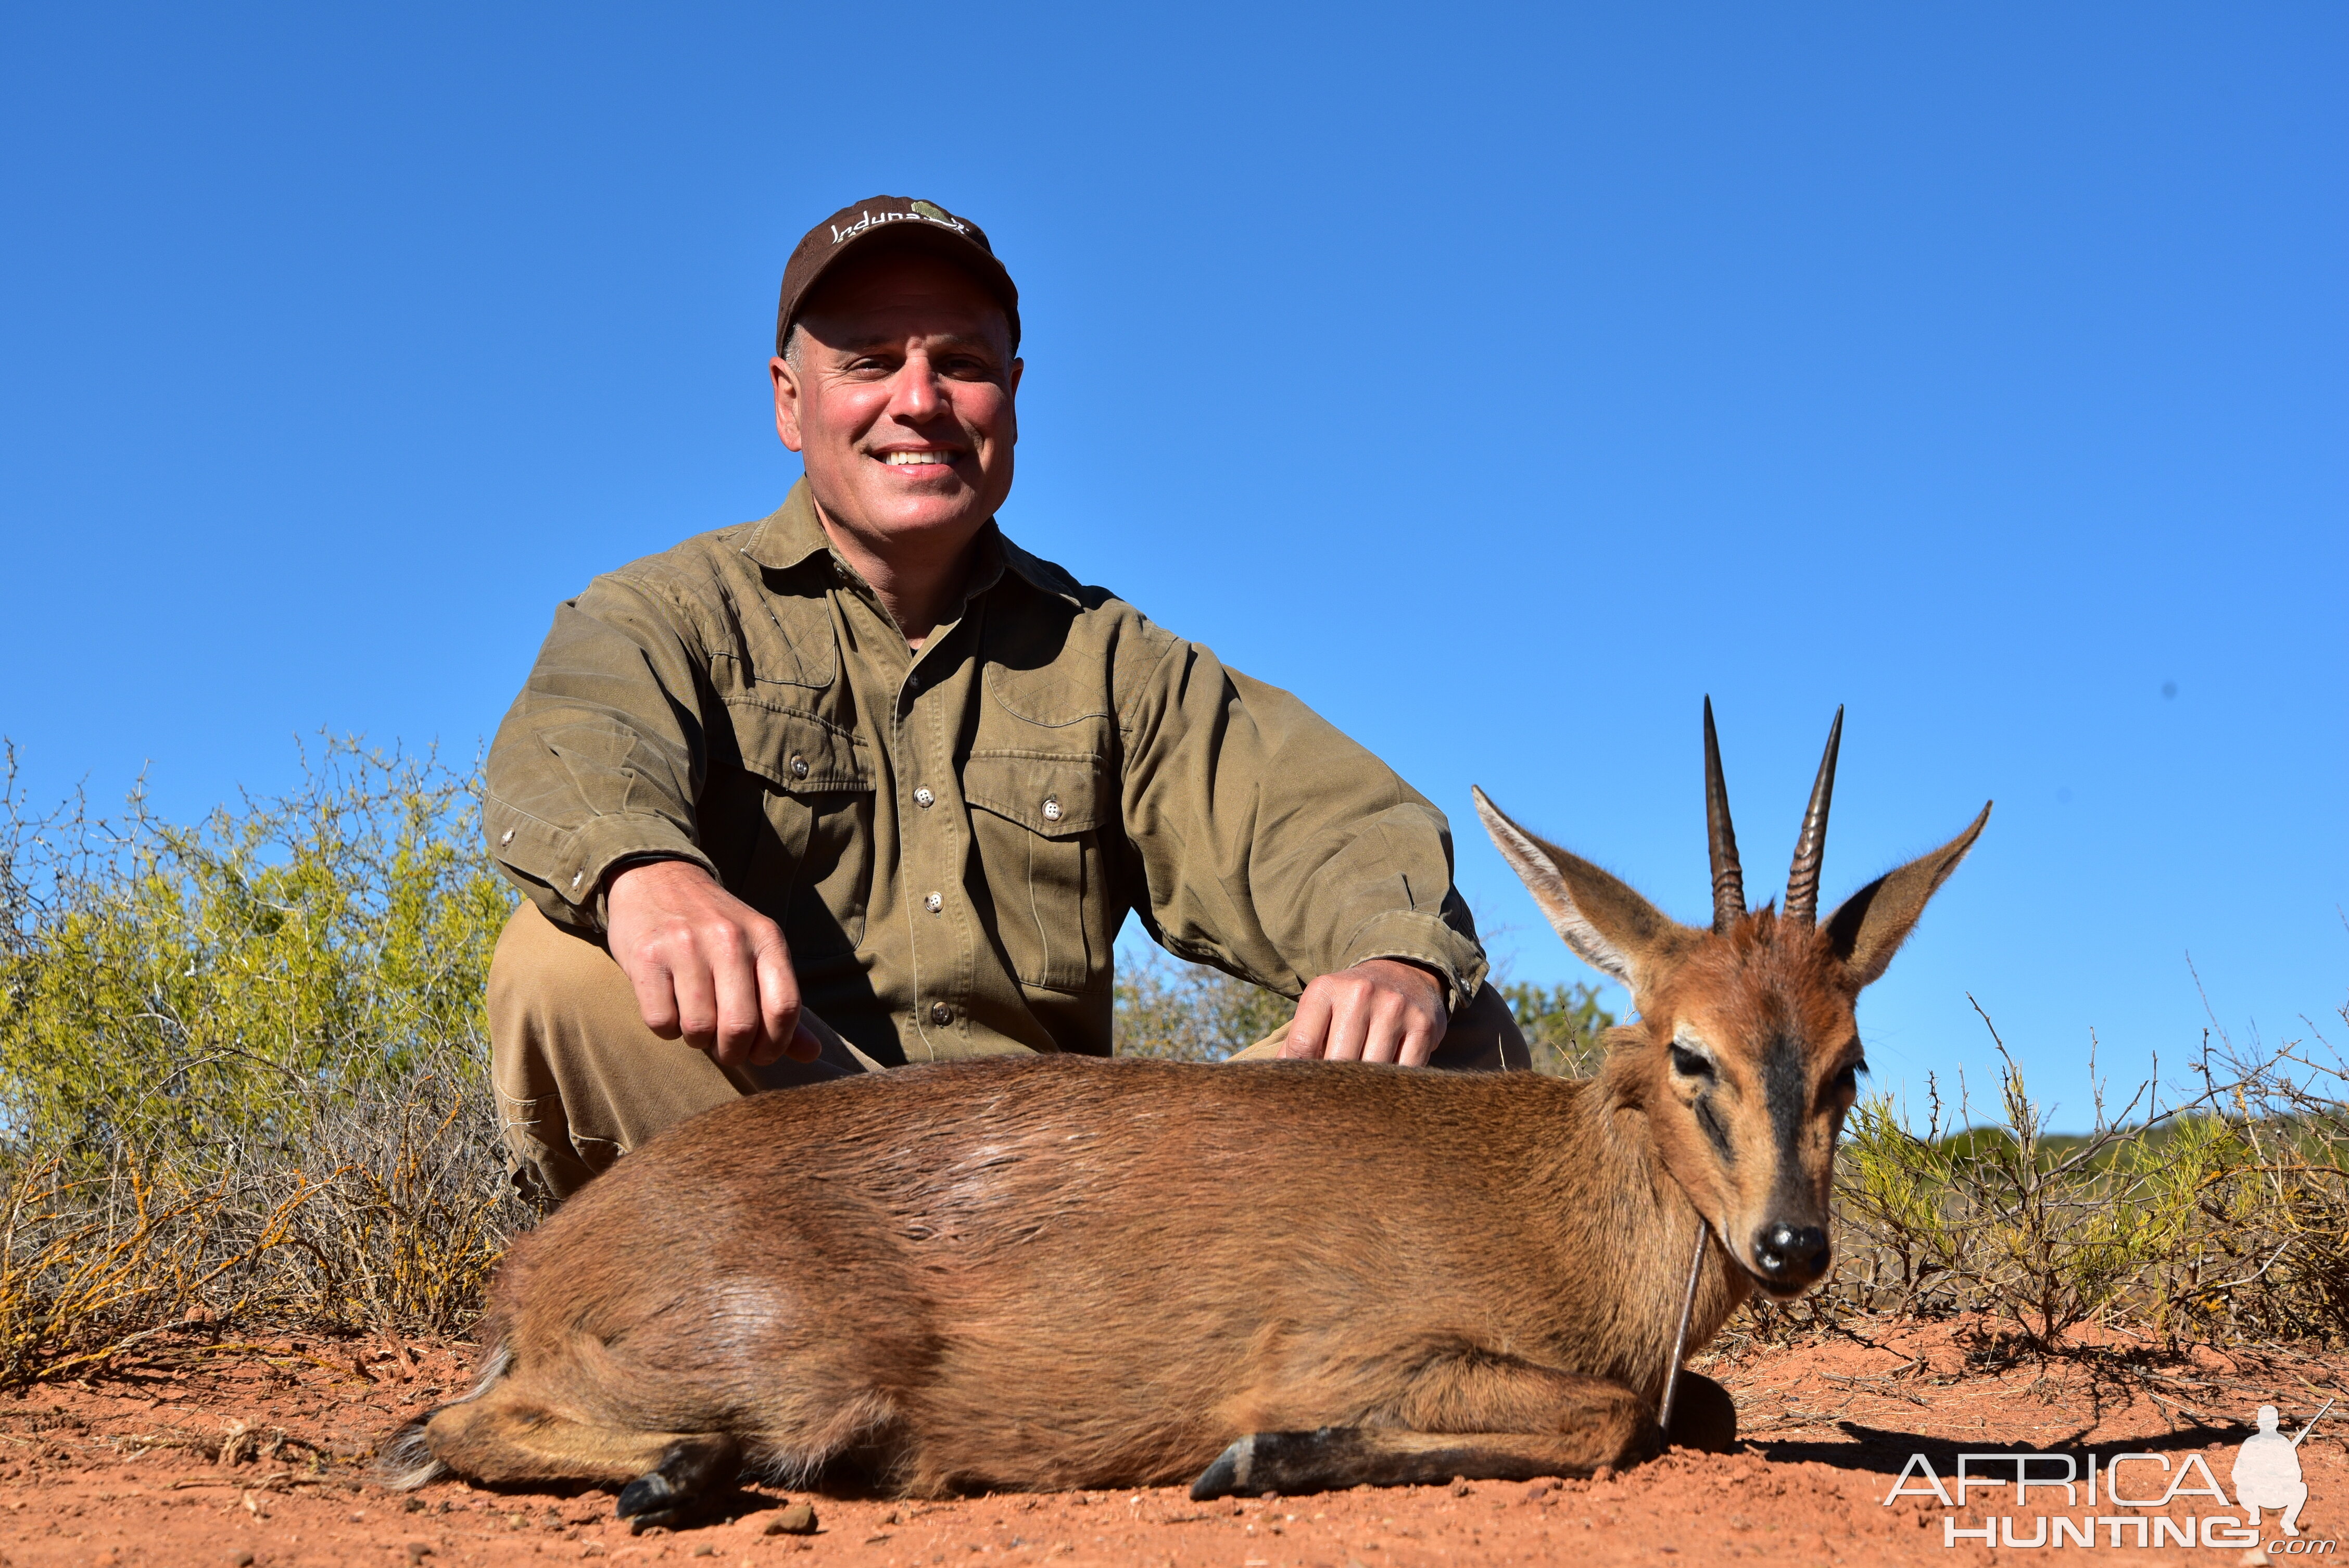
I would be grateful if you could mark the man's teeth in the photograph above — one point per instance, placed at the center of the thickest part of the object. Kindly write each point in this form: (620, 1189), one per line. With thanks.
(902, 460)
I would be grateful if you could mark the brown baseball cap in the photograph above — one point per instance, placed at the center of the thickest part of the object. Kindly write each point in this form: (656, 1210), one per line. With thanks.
(895, 221)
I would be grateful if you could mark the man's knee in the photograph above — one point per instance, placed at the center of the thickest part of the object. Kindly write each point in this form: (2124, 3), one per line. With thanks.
(1484, 1038)
(580, 1079)
(540, 972)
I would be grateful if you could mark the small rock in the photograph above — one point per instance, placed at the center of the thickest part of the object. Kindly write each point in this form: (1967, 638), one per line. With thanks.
(799, 1519)
(593, 1549)
(241, 1559)
(704, 1550)
(419, 1550)
(1602, 1475)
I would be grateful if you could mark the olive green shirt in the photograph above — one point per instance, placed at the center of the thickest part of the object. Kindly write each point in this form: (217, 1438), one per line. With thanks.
(950, 839)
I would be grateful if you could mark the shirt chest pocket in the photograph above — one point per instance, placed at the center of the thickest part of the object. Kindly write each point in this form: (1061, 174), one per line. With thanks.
(1035, 821)
(800, 826)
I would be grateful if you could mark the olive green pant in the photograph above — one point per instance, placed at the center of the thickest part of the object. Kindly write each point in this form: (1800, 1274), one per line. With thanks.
(581, 1080)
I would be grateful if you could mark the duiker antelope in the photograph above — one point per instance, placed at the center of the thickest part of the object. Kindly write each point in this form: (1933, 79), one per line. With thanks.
(1060, 1273)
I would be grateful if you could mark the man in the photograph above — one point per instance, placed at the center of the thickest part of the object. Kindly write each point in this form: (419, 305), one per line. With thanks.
(864, 783)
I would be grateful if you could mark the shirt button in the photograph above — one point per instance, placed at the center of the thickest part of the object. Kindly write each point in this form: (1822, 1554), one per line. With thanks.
(941, 1014)
(799, 767)
(506, 837)
(1051, 809)
(922, 798)
(934, 904)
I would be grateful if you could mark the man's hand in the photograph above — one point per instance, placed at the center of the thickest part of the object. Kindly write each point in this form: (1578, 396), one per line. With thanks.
(1380, 1010)
(708, 968)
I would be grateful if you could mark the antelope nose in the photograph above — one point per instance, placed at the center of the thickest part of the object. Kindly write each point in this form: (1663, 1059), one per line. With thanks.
(1791, 1253)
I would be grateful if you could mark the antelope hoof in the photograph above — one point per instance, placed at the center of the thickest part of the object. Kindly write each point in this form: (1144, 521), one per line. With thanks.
(1228, 1474)
(1704, 1417)
(674, 1490)
(1294, 1463)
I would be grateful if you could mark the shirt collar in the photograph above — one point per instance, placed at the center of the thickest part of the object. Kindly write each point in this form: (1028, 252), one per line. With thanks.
(788, 535)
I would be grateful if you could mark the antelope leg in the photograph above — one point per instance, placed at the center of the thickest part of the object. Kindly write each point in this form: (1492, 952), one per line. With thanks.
(1477, 1414)
(1705, 1418)
(688, 1469)
(504, 1437)
(1335, 1458)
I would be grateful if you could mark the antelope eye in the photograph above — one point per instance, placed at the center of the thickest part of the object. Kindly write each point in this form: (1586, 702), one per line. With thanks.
(1847, 1080)
(1688, 1064)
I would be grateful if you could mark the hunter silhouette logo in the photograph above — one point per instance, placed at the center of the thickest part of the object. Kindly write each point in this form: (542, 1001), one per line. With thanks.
(2267, 1470)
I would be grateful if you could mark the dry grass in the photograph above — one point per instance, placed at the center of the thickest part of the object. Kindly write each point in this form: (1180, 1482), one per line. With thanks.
(2214, 1214)
(388, 1218)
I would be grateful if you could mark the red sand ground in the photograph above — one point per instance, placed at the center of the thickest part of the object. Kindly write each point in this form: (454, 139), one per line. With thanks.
(258, 1456)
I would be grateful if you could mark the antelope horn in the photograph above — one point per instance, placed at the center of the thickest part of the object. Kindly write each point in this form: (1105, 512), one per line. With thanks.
(1803, 881)
(1728, 881)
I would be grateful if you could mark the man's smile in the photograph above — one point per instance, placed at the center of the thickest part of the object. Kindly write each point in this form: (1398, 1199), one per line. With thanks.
(928, 457)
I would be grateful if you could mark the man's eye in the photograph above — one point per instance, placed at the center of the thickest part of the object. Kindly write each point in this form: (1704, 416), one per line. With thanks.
(1688, 1064)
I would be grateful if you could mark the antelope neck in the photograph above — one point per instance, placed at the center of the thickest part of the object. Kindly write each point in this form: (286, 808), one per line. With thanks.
(1651, 1253)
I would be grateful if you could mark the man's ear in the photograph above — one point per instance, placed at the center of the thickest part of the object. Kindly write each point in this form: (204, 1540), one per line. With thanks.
(1872, 923)
(787, 400)
(1610, 927)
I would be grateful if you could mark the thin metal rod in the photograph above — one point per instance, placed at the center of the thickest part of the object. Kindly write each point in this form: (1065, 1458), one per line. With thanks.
(1680, 1340)
(2312, 1423)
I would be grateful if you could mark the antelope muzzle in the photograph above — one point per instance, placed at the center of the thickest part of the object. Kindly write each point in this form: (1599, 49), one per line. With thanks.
(1789, 1258)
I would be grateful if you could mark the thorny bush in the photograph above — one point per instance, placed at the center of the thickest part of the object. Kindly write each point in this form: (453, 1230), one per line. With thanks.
(242, 1064)
(2216, 1213)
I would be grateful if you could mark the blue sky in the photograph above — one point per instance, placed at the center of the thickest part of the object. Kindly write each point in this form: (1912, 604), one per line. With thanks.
(1501, 380)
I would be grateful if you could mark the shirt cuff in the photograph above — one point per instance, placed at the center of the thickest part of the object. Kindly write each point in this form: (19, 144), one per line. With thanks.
(1425, 940)
(572, 862)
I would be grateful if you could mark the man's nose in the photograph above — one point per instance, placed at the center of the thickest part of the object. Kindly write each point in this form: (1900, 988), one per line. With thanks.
(916, 395)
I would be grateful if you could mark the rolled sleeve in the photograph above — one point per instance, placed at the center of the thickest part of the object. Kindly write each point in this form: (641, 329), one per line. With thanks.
(1425, 940)
(599, 760)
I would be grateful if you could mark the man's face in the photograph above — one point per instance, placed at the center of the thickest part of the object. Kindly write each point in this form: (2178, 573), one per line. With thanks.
(900, 401)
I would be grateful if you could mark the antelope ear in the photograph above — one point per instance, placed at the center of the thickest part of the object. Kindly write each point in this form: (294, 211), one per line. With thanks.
(1873, 923)
(1609, 926)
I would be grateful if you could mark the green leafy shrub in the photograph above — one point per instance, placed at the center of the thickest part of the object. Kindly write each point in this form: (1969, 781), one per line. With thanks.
(242, 1065)
(174, 986)
(1565, 1027)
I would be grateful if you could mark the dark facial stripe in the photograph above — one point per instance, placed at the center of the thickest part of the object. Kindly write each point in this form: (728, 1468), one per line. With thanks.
(1786, 1091)
(1708, 1118)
